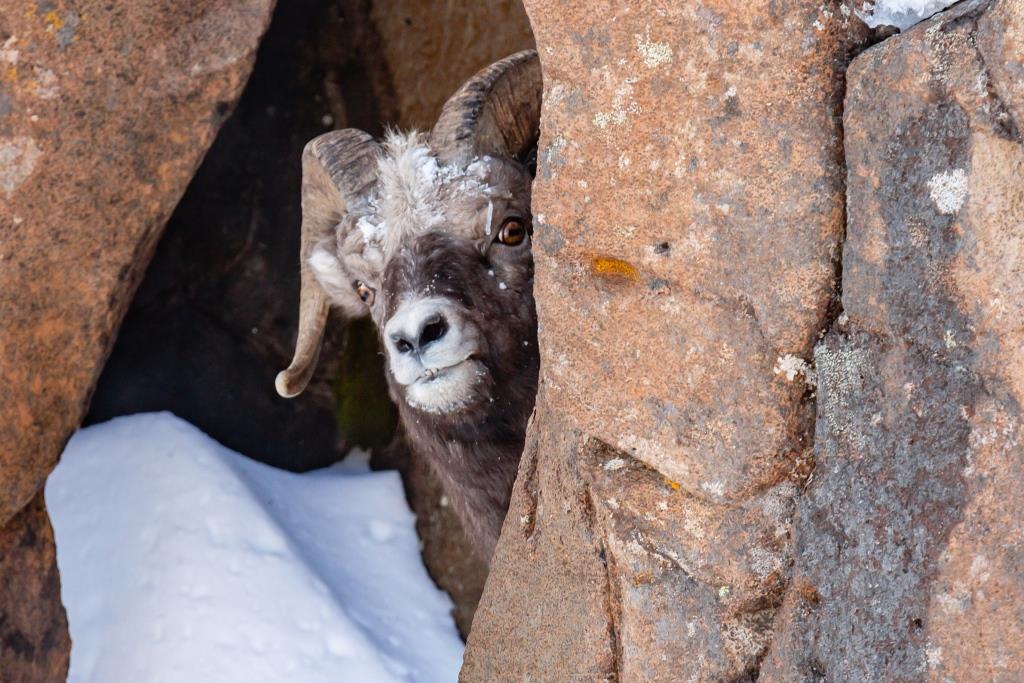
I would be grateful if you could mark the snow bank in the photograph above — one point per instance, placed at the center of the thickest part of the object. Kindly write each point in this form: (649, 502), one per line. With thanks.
(182, 561)
(901, 13)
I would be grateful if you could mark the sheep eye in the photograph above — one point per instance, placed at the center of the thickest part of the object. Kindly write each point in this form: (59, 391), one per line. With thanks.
(365, 292)
(512, 232)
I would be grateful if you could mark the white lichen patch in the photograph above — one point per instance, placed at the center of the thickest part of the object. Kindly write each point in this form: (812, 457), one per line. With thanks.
(623, 106)
(764, 562)
(614, 464)
(46, 84)
(792, 367)
(948, 190)
(980, 568)
(18, 157)
(8, 54)
(653, 54)
(715, 488)
(933, 655)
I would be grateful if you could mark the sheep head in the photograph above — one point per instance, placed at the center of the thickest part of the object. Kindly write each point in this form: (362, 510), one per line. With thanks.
(430, 236)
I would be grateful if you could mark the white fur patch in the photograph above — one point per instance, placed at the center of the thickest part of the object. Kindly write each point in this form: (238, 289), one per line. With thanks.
(328, 270)
(412, 190)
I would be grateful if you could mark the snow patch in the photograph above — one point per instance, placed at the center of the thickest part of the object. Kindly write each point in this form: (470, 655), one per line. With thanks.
(181, 560)
(900, 13)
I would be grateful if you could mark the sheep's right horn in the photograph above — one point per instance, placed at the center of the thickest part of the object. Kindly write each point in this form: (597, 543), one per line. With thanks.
(495, 112)
(337, 169)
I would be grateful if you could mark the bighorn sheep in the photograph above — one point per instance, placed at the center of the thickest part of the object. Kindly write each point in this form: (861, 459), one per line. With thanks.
(430, 235)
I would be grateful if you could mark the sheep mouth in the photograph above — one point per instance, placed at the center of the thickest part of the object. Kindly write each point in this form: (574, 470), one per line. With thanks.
(449, 389)
(434, 374)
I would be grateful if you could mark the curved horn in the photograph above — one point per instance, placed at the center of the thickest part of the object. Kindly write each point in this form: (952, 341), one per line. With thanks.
(337, 168)
(495, 112)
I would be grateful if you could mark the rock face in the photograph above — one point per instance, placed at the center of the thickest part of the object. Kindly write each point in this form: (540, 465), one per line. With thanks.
(689, 213)
(34, 644)
(448, 39)
(910, 539)
(106, 109)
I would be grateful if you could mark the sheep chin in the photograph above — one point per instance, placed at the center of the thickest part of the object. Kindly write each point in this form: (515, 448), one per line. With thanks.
(449, 391)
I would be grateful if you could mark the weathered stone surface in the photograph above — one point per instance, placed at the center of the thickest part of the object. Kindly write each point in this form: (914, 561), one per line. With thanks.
(107, 110)
(707, 227)
(546, 610)
(1000, 33)
(688, 214)
(34, 644)
(431, 48)
(910, 540)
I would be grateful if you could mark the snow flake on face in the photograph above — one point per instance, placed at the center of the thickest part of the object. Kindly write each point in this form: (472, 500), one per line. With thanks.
(948, 190)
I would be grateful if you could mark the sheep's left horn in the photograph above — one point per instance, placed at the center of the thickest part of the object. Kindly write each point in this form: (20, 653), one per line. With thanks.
(495, 112)
(337, 169)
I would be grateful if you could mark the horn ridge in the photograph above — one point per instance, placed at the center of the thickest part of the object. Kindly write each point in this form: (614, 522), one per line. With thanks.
(495, 112)
(337, 170)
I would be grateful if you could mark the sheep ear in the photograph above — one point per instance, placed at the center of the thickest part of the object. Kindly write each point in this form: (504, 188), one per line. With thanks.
(338, 171)
(496, 112)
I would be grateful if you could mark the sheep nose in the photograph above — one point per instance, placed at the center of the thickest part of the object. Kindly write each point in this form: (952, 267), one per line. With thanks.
(420, 332)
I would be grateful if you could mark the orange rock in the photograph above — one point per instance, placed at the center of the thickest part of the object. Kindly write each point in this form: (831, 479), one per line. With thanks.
(692, 151)
(34, 643)
(108, 111)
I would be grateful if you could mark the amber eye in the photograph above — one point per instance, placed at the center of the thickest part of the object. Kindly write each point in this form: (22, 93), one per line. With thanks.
(365, 292)
(512, 232)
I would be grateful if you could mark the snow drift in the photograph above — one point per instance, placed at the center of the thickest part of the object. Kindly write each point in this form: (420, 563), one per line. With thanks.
(183, 561)
(901, 13)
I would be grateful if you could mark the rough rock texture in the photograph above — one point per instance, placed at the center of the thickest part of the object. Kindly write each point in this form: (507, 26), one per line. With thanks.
(688, 216)
(106, 109)
(34, 644)
(105, 112)
(432, 47)
(910, 539)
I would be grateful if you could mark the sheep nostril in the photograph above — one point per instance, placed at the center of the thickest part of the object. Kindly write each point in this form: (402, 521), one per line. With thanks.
(432, 331)
(402, 345)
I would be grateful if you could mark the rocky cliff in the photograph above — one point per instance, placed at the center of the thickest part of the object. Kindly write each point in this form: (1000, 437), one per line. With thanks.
(778, 431)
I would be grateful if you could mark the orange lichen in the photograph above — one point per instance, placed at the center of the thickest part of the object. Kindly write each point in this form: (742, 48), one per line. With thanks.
(643, 578)
(674, 485)
(606, 266)
(53, 21)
